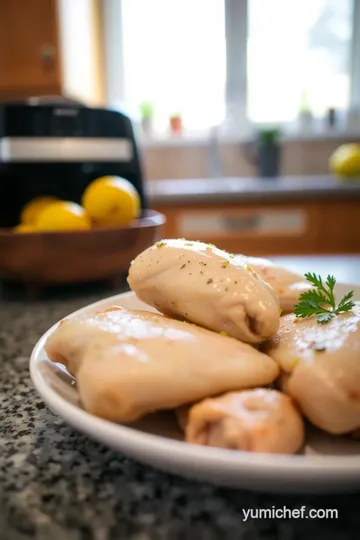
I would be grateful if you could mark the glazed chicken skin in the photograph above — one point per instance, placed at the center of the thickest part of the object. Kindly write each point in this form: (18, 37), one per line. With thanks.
(204, 285)
(286, 284)
(258, 420)
(130, 363)
(321, 368)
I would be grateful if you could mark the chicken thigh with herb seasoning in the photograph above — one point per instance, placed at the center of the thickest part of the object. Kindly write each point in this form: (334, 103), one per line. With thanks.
(130, 363)
(199, 283)
(258, 420)
(286, 284)
(321, 367)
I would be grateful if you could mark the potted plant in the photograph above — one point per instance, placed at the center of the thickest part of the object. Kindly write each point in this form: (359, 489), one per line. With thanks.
(268, 152)
(147, 116)
(176, 123)
(305, 116)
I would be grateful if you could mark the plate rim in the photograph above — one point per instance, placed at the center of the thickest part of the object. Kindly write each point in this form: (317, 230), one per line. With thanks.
(104, 430)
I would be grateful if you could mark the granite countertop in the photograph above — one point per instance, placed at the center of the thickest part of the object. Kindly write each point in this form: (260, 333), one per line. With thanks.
(57, 484)
(221, 190)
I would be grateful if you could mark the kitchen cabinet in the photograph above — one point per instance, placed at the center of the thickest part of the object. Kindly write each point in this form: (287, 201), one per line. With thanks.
(269, 228)
(50, 48)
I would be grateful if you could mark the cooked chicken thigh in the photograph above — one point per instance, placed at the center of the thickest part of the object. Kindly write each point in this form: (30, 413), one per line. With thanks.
(259, 420)
(204, 285)
(321, 365)
(129, 363)
(287, 285)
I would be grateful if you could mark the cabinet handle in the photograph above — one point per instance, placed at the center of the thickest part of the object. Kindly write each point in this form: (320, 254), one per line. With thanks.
(47, 53)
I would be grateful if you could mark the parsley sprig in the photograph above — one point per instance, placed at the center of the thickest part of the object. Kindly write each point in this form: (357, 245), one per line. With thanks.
(320, 300)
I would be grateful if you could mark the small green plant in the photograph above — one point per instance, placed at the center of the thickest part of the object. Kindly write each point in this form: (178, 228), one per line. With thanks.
(146, 110)
(268, 135)
(304, 103)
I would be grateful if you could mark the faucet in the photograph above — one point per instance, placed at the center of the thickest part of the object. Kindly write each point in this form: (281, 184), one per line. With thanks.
(214, 168)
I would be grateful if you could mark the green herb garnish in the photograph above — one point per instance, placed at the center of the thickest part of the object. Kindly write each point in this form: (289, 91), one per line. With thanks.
(321, 301)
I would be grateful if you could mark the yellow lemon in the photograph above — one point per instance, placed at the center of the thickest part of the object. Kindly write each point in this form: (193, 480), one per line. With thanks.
(111, 200)
(63, 216)
(23, 228)
(345, 161)
(33, 208)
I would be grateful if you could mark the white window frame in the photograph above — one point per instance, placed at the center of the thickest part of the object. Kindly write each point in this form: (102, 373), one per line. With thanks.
(355, 58)
(236, 30)
(113, 46)
(236, 27)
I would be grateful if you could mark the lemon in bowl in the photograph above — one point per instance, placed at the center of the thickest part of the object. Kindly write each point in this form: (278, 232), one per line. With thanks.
(63, 216)
(33, 208)
(111, 201)
(24, 228)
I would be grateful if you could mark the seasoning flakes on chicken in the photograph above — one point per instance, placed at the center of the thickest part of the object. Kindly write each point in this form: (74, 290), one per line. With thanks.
(204, 285)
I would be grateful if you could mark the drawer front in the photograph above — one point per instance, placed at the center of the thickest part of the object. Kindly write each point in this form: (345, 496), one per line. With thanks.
(243, 223)
(270, 229)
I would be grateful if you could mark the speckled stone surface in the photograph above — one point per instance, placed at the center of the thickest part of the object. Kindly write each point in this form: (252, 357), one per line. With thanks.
(57, 484)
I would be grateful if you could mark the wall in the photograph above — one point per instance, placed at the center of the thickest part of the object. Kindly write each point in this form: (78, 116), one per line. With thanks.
(304, 157)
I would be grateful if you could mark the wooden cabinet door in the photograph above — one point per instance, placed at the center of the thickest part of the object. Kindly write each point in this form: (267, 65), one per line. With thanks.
(29, 62)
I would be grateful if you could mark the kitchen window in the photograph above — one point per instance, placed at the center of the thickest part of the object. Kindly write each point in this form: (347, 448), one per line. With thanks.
(298, 57)
(174, 57)
(235, 62)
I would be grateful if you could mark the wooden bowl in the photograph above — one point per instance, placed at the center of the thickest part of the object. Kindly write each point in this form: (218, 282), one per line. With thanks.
(53, 258)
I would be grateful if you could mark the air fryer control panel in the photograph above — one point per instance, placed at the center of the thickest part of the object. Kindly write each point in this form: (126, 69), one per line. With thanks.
(18, 120)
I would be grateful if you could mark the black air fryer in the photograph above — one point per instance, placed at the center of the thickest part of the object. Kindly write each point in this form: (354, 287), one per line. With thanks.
(58, 150)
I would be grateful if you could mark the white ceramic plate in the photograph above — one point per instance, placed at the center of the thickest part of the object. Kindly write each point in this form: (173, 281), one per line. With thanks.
(327, 464)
